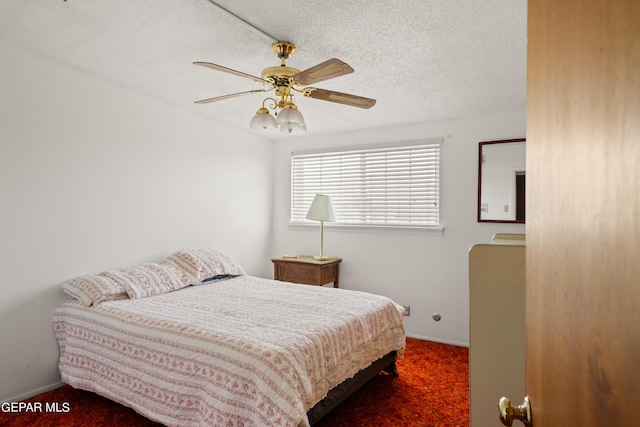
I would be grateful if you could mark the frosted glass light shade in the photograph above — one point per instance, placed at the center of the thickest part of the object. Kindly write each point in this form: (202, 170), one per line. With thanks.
(293, 128)
(262, 120)
(290, 120)
(288, 116)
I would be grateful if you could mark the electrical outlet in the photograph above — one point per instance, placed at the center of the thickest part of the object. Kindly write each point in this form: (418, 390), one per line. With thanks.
(407, 310)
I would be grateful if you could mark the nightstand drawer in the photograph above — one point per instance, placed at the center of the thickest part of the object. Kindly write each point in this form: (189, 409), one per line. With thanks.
(299, 273)
(306, 270)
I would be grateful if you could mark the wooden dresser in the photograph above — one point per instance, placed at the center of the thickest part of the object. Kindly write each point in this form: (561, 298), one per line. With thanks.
(305, 269)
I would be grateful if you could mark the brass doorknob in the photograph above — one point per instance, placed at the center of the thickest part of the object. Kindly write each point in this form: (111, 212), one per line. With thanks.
(508, 412)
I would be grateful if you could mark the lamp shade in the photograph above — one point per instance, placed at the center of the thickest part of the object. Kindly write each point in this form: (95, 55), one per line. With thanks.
(293, 128)
(263, 120)
(288, 116)
(321, 209)
(290, 120)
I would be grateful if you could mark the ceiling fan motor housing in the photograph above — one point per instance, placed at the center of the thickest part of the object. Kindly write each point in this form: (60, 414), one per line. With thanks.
(283, 49)
(279, 73)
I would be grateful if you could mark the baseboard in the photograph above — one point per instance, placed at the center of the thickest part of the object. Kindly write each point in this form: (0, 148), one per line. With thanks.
(419, 337)
(35, 392)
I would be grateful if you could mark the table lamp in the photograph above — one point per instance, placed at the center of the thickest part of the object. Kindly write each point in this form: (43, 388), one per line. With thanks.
(321, 210)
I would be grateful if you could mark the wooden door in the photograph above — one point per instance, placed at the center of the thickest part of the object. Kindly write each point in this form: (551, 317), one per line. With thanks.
(583, 213)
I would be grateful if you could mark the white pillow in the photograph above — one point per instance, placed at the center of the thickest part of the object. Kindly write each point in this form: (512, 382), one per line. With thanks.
(200, 264)
(149, 279)
(92, 289)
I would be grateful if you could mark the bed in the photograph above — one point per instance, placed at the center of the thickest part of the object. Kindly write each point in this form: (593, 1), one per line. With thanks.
(194, 340)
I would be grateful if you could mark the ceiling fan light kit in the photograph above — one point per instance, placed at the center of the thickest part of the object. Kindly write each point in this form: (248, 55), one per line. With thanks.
(283, 80)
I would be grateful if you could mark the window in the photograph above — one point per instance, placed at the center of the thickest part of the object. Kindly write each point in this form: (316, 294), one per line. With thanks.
(383, 186)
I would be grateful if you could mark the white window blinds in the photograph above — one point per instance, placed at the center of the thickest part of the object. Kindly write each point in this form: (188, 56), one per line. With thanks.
(393, 186)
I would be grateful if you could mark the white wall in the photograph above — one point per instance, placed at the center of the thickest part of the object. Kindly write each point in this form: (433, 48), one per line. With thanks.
(94, 177)
(428, 272)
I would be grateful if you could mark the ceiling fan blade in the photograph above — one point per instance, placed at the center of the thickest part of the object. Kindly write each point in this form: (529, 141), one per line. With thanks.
(230, 71)
(340, 98)
(231, 95)
(324, 71)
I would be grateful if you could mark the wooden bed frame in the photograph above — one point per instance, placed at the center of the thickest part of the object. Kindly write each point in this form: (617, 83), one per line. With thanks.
(346, 388)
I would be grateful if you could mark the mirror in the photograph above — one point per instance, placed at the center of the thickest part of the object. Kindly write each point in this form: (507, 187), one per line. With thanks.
(501, 181)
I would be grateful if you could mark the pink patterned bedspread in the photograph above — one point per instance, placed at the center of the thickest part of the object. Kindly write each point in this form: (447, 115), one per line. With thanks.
(236, 353)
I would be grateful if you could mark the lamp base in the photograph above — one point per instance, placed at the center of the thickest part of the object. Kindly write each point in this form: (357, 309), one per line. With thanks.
(321, 258)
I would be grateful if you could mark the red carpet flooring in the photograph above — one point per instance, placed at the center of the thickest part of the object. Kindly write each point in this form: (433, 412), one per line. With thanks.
(431, 391)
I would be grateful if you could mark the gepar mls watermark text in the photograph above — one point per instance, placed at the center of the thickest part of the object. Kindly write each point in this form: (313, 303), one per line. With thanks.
(45, 407)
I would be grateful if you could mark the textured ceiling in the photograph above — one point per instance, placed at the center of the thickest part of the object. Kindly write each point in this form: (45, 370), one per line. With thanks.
(421, 59)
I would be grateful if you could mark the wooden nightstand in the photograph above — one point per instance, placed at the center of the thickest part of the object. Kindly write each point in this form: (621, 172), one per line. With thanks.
(305, 269)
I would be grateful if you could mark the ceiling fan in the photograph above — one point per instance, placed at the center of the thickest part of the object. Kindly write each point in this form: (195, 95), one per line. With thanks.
(285, 80)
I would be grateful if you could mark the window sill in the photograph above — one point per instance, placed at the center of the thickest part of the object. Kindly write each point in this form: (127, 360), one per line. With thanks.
(430, 231)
